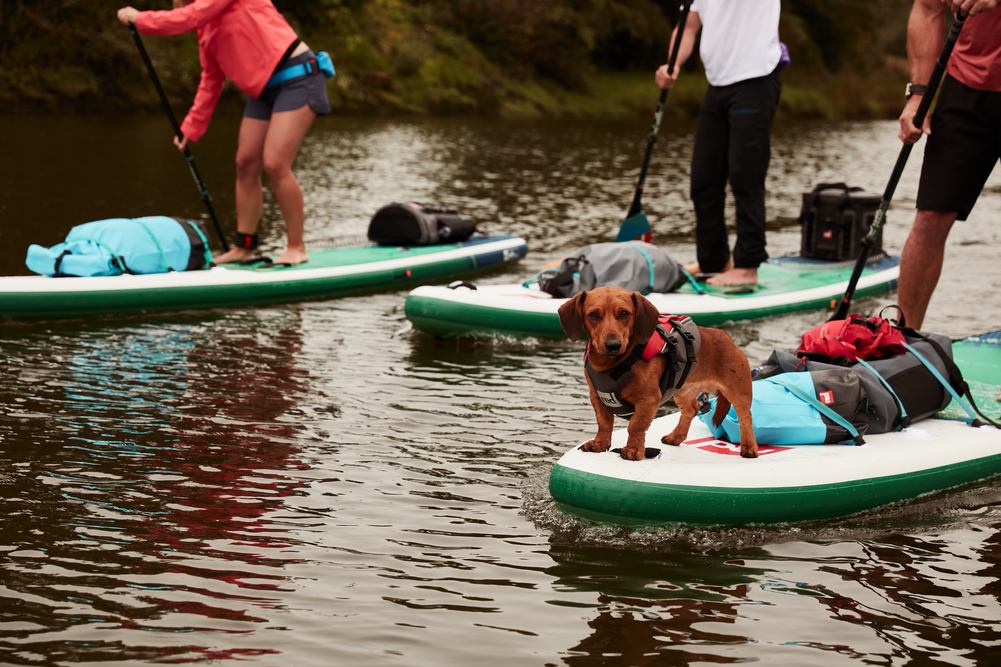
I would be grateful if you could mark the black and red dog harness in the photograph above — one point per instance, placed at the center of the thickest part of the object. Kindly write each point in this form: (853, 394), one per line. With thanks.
(676, 337)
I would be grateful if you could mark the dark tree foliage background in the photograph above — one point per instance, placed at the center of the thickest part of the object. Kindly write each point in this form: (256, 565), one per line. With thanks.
(439, 56)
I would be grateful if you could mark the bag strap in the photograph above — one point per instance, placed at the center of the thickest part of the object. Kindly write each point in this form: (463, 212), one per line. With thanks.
(823, 409)
(207, 255)
(649, 264)
(904, 421)
(955, 374)
(692, 280)
(966, 388)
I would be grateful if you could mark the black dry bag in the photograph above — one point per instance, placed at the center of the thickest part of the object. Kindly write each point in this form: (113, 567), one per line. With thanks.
(416, 224)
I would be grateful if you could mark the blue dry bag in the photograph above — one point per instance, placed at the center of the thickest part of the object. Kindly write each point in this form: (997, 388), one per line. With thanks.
(154, 244)
(811, 408)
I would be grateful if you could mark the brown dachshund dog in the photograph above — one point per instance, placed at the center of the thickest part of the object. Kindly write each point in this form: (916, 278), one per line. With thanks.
(615, 321)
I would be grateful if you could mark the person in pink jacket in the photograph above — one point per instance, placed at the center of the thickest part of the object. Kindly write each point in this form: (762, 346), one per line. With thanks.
(251, 43)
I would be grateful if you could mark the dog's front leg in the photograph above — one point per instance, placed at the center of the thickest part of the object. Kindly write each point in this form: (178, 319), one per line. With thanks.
(639, 424)
(686, 399)
(603, 440)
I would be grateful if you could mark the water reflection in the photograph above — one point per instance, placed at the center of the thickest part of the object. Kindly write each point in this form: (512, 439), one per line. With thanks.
(164, 465)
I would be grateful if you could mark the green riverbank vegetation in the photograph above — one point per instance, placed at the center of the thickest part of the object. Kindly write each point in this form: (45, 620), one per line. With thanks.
(509, 58)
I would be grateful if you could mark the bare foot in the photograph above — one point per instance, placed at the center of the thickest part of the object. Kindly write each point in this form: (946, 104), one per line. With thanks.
(233, 255)
(735, 277)
(292, 257)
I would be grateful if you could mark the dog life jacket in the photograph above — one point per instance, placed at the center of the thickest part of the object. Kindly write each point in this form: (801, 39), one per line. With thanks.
(676, 337)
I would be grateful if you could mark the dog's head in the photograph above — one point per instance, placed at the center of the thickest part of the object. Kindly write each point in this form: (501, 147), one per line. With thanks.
(613, 318)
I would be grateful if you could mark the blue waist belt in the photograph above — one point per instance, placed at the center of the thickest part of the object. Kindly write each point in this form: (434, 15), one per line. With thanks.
(321, 63)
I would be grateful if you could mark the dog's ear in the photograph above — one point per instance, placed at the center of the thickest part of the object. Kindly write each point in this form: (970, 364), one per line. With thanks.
(645, 321)
(572, 316)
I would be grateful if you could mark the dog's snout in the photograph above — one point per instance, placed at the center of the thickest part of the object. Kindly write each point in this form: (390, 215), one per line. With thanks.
(613, 345)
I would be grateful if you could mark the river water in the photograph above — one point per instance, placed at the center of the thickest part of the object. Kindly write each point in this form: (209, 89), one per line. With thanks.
(317, 484)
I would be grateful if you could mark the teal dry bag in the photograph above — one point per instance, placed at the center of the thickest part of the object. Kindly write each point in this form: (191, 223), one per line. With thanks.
(154, 244)
(811, 408)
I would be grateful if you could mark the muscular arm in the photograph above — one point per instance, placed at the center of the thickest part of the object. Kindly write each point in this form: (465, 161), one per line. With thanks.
(666, 79)
(925, 36)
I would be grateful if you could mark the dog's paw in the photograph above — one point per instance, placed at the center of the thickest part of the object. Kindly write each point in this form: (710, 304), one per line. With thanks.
(746, 453)
(633, 454)
(594, 446)
(673, 439)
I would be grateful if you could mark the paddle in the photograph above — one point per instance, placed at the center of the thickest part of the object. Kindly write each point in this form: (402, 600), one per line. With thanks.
(177, 131)
(919, 118)
(636, 226)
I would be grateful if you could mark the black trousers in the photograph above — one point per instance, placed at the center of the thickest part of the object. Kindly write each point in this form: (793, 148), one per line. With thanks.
(732, 143)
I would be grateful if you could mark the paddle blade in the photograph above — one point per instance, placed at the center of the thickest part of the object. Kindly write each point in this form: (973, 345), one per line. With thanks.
(635, 228)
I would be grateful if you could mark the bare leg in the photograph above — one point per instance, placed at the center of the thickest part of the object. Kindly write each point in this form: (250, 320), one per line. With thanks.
(249, 195)
(285, 135)
(921, 263)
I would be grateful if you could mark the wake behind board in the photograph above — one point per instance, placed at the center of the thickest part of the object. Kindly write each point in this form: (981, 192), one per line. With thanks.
(328, 273)
(786, 284)
(705, 482)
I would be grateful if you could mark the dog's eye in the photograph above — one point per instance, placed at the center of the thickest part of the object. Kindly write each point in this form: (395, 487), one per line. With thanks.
(593, 315)
(623, 314)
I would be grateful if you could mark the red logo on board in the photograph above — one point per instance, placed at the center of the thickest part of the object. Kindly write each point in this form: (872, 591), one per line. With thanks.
(827, 397)
(828, 234)
(728, 448)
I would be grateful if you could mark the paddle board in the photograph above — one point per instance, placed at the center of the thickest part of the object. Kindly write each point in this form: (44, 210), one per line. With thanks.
(328, 273)
(786, 284)
(704, 481)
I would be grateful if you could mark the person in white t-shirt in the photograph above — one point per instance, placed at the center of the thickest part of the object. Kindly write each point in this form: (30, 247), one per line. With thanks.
(742, 55)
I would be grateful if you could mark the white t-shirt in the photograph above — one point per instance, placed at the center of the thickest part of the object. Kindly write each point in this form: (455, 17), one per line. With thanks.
(740, 38)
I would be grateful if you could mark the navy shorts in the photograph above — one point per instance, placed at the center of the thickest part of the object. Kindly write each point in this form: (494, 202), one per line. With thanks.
(291, 94)
(962, 149)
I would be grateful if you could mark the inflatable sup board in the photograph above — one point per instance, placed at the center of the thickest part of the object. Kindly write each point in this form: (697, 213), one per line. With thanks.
(786, 284)
(705, 482)
(328, 273)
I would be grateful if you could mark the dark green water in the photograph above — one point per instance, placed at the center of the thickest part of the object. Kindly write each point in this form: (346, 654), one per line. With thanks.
(317, 484)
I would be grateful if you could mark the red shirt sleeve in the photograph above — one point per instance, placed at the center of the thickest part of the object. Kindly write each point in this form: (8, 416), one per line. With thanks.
(184, 19)
(209, 89)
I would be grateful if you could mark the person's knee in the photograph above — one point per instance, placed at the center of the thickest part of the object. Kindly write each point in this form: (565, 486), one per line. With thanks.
(747, 180)
(276, 168)
(932, 226)
(248, 165)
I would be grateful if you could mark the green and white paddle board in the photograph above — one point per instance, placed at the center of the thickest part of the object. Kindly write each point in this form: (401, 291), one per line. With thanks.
(705, 482)
(786, 284)
(328, 273)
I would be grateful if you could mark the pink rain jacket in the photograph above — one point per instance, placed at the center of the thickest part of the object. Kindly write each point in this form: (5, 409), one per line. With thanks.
(240, 39)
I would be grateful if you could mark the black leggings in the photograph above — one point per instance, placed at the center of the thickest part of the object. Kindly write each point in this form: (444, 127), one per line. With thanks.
(732, 143)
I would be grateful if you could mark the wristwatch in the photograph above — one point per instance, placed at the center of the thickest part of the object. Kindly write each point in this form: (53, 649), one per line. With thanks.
(915, 89)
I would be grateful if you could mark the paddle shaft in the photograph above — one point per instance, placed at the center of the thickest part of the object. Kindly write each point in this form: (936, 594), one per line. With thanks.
(199, 183)
(919, 118)
(651, 139)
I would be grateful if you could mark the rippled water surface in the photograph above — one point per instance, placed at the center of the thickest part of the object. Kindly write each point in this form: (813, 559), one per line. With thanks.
(317, 484)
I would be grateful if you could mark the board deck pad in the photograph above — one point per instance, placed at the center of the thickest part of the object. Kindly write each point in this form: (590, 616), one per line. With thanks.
(706, 482)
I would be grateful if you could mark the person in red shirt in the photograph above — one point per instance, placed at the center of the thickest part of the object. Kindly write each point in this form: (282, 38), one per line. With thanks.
(250, 42)
(964, 136)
